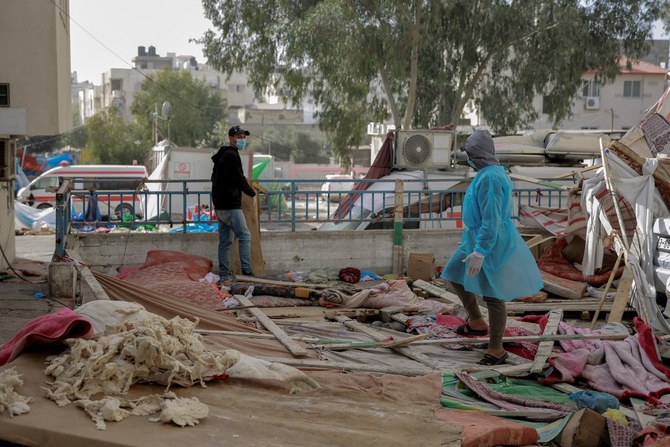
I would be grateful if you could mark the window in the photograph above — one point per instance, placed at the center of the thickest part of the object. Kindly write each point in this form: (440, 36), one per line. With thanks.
(590, 88)
(631, 89)
(547, 106)
(4, 95)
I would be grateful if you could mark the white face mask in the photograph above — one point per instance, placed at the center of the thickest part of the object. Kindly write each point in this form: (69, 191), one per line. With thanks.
(472, 164)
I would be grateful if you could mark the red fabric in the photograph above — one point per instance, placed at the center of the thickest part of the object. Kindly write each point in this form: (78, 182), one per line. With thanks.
(195, 266)
(45, 330)
(176, 280)
(483, 430)
(646, 338)
(350, 274)
(381, 167)
(552, 261)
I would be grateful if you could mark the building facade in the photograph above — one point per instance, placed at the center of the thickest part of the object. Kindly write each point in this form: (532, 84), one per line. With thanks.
(35, 89)
(615, 106)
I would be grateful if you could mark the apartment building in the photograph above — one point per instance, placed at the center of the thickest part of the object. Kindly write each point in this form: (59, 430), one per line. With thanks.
(617, 105)
(35, 89)
(256, 110)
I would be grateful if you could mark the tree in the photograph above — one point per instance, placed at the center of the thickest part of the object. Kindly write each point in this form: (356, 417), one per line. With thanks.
(420, 62)
(284, 142)
(195, 114)
(111, 141)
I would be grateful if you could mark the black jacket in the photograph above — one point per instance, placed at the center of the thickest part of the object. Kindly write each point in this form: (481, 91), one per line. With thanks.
(228, 180)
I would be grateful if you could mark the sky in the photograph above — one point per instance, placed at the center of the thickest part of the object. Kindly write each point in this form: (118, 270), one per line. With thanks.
(105, 34)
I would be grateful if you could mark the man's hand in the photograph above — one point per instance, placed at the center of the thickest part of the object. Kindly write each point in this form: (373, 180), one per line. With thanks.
(257, 186)
(474, 263)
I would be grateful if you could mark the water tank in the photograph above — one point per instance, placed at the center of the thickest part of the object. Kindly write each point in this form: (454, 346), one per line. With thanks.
(152, 50)
(141, 51)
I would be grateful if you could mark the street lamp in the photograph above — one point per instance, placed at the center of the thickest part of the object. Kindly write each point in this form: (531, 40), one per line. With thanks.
(165, 116)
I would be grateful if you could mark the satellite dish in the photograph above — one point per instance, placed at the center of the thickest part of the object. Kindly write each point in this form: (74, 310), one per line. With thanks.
(165, 110)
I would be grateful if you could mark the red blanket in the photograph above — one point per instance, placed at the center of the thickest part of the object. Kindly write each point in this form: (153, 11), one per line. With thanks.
(47, 329)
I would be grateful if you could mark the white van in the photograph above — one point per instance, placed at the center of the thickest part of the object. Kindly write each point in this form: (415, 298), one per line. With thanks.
(115, 186)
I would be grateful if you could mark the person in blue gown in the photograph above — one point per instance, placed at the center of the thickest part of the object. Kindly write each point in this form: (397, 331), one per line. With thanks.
(492, 260)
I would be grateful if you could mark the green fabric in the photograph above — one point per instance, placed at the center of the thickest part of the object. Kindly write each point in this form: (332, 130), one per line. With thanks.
(529, 389)
(457, 396)
(258, 168)
(276, 202)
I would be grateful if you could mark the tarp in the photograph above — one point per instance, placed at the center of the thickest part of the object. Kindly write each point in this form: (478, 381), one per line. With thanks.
(27, 217)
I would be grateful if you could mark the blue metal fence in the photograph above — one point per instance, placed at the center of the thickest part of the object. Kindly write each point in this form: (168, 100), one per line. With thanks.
(290, 205)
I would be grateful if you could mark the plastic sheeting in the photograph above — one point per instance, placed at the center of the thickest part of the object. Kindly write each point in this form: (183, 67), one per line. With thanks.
(26, 217)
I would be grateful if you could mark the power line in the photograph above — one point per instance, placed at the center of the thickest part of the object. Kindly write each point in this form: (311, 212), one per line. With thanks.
(150, 78)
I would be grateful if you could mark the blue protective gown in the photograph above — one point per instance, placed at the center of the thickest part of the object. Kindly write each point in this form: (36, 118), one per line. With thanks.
(509, 270)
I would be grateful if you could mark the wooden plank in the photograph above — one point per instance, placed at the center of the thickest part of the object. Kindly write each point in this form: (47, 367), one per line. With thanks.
(638, 406)
(379, 336)
(293, 347)
(87, 276)
(607, 289)
(349, 366)
(546, 347)
(494, 370)
(244, 278)
(584, 304)
(312, 312)
(439, 292)
(622, 296)
(340, 345)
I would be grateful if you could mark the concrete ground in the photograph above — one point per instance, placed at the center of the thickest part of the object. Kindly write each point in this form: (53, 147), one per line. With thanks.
(18, 301)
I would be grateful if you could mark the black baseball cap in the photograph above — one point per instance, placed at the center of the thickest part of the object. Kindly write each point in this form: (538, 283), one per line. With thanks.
(236, 130)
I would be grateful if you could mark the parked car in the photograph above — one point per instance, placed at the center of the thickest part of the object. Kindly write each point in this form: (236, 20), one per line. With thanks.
(337, 187)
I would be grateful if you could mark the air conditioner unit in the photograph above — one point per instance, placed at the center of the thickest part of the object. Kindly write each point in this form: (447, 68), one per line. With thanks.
(423, 149)
(592, 103)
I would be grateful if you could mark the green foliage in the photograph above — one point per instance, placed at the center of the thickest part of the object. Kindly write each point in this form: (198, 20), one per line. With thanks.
(111, 141)
(196, 110)
(355, 57)
(286, 142)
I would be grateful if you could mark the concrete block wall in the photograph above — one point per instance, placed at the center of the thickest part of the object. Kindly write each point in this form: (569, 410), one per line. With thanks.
(283, 251)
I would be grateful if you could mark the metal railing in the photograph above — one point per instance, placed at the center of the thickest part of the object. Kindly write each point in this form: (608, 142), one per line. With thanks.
(289, 205)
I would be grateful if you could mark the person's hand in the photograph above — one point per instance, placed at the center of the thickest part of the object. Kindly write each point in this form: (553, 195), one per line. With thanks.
(474, 263)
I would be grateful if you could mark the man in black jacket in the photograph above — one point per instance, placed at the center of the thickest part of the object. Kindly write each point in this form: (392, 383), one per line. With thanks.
(228, 183)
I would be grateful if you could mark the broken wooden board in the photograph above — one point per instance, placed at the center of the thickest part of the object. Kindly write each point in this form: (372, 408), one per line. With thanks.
(638, 406)
(349, 366)
(546, 347)
(562, 287)
(381, 336)
(245, 278)
(622, 297)
(584, 304)
(314, 312)
(293, 347)
(343, 345)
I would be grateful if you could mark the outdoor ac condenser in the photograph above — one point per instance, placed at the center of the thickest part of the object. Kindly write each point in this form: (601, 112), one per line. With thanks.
(592, 103)
(423, 149)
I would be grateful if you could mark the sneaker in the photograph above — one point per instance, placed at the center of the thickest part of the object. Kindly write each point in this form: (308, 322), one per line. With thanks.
(248, 273)
(225, 280)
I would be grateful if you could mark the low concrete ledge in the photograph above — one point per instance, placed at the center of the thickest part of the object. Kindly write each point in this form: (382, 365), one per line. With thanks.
(282, 251)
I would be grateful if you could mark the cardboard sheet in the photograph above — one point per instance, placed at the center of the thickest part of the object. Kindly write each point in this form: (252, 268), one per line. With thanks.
(350, 410)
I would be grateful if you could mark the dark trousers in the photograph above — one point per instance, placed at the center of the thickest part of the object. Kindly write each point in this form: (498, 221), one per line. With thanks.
(497, 313)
